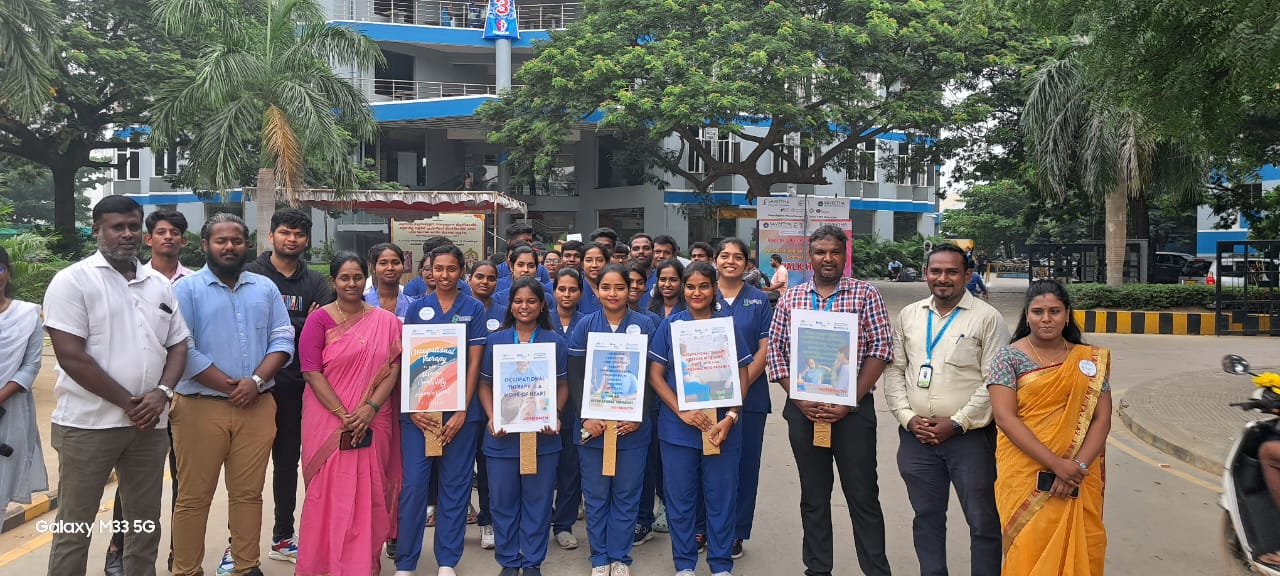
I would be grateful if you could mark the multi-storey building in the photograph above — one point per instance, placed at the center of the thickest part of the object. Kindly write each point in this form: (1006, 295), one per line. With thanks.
(439, 70)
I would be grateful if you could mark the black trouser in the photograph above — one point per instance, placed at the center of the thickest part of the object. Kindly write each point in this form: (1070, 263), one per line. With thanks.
(286, 450)
(969, 462)
(853, 449)
(117, 538)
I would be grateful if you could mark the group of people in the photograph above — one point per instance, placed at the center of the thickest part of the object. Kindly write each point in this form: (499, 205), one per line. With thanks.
(249, 362)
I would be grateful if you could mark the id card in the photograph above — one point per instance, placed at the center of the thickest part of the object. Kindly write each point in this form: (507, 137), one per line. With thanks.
(926, 376)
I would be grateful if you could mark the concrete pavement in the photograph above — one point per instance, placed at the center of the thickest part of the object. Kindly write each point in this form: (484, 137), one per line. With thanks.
(1161, 513)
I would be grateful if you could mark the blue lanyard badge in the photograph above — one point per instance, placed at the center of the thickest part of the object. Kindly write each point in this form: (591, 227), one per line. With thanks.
(931, 341)
(825, 307)
(515, 335)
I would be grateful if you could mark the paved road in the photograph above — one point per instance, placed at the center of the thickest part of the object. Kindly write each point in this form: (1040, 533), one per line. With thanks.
(1161, 514)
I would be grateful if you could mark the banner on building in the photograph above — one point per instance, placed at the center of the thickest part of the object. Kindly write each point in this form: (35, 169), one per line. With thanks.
(465, 230)
(500, 23)
(784, 224)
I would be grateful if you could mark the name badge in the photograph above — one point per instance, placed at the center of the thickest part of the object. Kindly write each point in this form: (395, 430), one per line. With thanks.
(926, 376)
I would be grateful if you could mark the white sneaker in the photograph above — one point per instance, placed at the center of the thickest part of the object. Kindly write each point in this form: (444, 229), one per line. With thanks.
(620, 569)
(685, 573)
(446, 571)
(723, 574)
(404, 573)
(600, 570)
(566, 540)
(486, 537)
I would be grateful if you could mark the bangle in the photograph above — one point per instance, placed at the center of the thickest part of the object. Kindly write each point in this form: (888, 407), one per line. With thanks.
(335, 410)
(375, 405)
(732, 415)
(1082, 465)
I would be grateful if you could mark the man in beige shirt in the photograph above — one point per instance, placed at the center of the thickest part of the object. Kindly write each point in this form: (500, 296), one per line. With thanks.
(942, 347)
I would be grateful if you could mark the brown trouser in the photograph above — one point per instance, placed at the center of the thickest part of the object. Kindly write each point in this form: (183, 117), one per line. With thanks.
(210, 434)
(85, 460)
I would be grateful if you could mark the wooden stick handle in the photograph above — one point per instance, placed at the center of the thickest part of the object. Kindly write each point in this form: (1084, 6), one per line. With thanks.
(822, 434)
(610, 448)
(528, 453)
(434, 445)
(709, 449)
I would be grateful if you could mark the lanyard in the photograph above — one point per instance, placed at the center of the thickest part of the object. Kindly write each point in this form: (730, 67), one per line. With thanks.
(930, 342)
(825, 307)
(515, 335)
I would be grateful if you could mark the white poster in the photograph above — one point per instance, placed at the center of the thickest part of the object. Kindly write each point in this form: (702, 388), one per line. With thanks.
(705, 353)
(614, 386)
(524, 387)
(824, 346)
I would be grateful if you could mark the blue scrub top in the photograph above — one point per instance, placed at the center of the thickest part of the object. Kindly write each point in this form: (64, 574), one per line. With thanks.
(670, 427)
(466, 310)
(509, 445)
(402, 301)
(596, 322)
(494, 315)
(566, 331)
(589, 302)
(751, 317)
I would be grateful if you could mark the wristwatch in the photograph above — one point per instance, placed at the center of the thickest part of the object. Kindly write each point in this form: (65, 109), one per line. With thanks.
(168, 392)
(262, 384)
(957, 427)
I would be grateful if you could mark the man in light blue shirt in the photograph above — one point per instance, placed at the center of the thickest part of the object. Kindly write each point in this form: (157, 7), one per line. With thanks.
(223, 413)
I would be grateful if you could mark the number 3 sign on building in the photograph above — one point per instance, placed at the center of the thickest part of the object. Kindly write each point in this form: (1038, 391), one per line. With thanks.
(501, 23)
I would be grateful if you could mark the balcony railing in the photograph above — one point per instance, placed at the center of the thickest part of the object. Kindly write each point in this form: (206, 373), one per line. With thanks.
(455, 14)
(382, 90)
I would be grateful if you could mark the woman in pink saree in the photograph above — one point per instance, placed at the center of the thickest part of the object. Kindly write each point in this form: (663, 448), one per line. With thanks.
(350, 353)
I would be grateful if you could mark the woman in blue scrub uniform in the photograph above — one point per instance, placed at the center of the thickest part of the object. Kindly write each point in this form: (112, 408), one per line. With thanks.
(483, 280)
(567, 290)
(521, 504)
(612, 503)
(594, 259)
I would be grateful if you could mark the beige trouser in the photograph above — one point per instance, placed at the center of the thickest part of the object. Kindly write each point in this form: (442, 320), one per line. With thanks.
(209, 434)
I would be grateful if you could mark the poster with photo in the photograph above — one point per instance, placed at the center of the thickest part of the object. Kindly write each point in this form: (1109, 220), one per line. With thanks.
(614, 386)
(705, 353)
(433, 369)
(824, 346)
(524, 387)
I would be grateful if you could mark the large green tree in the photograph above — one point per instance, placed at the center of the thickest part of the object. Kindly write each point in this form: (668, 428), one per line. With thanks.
(106, 59)
(27, 31)
(991, 217)
(267, 96)
(812, 74)
(27, 188)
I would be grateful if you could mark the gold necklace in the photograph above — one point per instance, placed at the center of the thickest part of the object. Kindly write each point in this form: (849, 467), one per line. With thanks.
(338, 307)
(1039, 359)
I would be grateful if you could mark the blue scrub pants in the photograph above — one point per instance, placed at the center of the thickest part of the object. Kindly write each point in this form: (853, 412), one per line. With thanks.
(454, 469)
(521, 509)
(652, 489)
(569, 475)
(612, 503)
(483, 517)
(687, 472)
(752, 426)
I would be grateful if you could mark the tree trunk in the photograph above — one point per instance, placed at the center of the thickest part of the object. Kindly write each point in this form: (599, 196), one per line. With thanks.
(64, 209)
(1116, 208)
(265, 205)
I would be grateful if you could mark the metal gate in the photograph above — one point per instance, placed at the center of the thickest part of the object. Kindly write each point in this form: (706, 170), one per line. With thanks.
(1083, 262)
(1247, 298)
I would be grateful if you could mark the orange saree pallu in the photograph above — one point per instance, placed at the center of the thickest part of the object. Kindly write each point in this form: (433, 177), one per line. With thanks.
(1046, 535)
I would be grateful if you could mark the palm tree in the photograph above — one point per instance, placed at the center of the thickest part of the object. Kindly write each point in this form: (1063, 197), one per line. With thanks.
(265, 97)
(27, 31)
(1081, 136)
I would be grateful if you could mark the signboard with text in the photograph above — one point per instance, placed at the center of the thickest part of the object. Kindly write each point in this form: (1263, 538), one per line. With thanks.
(465, 230)
(784, 224)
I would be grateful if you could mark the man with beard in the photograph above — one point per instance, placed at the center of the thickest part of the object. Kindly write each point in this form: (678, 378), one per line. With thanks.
(303, 290)
(224, 414)
(853, 430)
(166, 236)
(121, 346)
(936, 388)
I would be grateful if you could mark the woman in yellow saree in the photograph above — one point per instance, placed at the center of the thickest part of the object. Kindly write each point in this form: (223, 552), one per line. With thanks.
(1052, 403)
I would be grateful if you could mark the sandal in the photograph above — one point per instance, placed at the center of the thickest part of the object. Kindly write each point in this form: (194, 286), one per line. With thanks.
(472, 514)
(431, 516)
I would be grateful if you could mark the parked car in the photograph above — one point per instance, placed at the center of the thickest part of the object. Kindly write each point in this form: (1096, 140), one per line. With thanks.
(1236, 272)
(1195, 271)
(1168, 267)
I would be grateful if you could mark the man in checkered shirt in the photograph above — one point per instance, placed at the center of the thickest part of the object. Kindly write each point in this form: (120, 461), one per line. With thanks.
(853, 431)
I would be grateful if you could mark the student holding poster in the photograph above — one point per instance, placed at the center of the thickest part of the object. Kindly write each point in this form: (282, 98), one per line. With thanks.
(521, 504)
(852, 440)
(483, 280)
(458, 432)
(612, 502)
(687, 473)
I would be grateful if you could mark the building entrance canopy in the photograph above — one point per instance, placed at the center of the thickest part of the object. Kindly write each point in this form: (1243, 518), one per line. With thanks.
(412, 204)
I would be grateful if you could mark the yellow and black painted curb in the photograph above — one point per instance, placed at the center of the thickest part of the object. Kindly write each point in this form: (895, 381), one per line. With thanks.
(1175, 323)
(41, 502)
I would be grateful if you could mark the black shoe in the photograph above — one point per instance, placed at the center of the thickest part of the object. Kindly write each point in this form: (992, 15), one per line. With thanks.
(391, 549)
(701, 539)
(171, 561)
(509, 572)
(533, 571)
(641, 535)
(737, 549)
(115, 563)
(255, 571)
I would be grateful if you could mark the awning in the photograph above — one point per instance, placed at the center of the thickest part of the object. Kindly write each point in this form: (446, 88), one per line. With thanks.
(412, 204)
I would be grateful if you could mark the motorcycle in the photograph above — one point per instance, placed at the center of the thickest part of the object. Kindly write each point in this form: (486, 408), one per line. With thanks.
(1250, 516)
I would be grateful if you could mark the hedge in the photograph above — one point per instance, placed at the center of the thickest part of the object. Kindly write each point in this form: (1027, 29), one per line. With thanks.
(1142, 296)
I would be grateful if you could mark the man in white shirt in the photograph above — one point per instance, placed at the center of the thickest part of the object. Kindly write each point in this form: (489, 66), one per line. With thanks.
(121, 348)
(778, 283)
(936, 388)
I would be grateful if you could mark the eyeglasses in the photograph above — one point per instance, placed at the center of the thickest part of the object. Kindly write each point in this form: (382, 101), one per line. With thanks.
(3, 269)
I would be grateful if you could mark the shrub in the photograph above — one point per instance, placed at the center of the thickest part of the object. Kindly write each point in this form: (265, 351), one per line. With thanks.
(1142, 296)
(871, 257)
